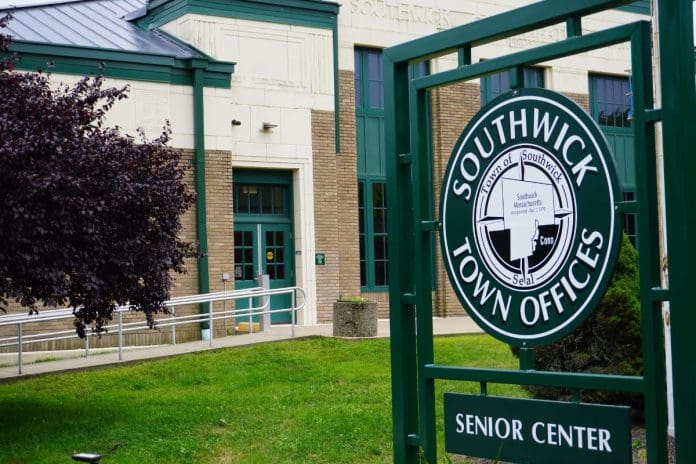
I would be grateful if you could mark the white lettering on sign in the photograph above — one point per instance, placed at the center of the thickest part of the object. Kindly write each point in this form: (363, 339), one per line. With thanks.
(537, 307)
(542, 433)
(401, 11)
(572, 436)
(487, 426)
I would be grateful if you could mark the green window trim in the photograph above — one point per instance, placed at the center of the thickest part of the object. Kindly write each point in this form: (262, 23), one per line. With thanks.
(369, 115)
(263, 179)
(374, 259)
(372, 201)
(147, 67)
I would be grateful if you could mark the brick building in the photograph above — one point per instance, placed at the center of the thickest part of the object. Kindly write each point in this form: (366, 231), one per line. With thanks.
(280, 102)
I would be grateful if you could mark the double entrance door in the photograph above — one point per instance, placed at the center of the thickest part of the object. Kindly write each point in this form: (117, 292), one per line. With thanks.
(263, 242)
(266, 249)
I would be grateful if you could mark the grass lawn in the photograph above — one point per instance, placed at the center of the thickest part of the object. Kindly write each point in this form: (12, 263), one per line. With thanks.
(318, 400)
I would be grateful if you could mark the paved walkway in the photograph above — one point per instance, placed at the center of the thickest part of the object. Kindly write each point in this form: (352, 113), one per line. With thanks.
(75, 360)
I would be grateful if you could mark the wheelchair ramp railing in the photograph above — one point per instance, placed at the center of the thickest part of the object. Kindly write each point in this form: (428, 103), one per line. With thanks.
(257, 302)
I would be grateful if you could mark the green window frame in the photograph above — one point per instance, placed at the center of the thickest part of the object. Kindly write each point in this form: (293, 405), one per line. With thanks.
(629, 220)
(262, 196)
(499, 83)
(372, 201)
(255, 198)
(372, 225)
(369, 112)
(612, 107)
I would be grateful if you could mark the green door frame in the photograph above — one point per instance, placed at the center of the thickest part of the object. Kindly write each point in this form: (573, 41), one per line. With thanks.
(275, 222)
(410, 192)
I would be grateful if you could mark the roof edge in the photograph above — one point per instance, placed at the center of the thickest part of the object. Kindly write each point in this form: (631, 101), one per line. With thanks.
(309, 13)
(311, 5)
(143, 66)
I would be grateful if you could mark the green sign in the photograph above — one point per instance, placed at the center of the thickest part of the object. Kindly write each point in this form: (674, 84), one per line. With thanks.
(535, 431)
(320, 259)
(529, 231)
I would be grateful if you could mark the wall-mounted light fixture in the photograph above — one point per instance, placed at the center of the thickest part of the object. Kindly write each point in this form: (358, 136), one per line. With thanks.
(268, 125)
(236, 122)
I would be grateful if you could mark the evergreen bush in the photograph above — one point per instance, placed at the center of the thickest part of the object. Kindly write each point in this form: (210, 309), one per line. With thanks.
(608, 342)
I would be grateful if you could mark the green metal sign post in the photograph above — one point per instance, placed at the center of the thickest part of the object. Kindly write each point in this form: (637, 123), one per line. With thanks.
(678, 116)
(412, 223)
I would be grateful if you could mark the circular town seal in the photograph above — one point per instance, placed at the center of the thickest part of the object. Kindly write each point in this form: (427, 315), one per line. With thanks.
(529, 234)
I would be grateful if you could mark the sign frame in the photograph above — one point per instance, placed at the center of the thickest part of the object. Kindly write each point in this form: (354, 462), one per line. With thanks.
(411, 222)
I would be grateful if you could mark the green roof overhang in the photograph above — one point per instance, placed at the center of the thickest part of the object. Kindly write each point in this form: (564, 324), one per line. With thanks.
(310, 13)
(68, 59)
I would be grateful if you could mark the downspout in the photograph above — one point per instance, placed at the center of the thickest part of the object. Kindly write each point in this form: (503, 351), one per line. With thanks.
(336, 83)
(201, 221)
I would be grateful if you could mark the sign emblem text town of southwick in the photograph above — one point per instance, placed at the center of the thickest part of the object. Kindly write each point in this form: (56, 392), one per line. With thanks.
(529, 232)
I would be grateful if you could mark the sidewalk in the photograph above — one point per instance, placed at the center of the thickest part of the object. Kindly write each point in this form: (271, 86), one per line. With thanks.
(77, 361)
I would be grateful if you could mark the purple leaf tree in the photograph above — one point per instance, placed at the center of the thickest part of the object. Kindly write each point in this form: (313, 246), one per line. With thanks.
(90, 218)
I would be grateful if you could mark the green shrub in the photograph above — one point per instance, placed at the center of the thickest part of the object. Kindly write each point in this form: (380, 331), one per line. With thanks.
(608, 342)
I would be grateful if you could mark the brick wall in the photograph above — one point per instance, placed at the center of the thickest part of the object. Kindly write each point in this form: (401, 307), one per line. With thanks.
(347, 191)
(336, 202)
(581, 99)
(218, 187)
(452, 108)
(326, 217)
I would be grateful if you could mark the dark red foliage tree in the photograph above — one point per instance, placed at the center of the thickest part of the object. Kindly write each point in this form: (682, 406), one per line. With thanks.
(90, 218)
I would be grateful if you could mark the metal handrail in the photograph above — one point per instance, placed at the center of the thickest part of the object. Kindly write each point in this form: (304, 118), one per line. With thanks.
(118, 328)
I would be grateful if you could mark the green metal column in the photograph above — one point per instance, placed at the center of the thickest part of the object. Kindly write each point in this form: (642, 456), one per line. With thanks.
(655, 395)
(199, 149)
(678, 116)
(422, 261)
(401, 272)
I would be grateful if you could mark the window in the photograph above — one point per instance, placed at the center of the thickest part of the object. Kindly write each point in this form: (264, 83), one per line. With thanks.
(369, 81)
(372, 211)
(610, 100)
(372, 194)
(243, 255)
(260, 199)
(629, 220)
(372, 205)
(497, 84)
(610, 106)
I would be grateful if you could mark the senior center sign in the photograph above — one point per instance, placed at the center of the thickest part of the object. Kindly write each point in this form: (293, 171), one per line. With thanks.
(529, 233)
